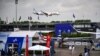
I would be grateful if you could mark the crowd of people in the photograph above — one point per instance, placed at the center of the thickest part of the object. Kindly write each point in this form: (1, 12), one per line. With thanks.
(86, 52)
(8, 53)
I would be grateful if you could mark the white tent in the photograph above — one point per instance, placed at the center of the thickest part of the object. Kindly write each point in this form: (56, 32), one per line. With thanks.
(38, 47)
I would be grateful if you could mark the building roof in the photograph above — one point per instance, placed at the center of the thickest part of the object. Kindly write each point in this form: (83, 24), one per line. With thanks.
(24, 33)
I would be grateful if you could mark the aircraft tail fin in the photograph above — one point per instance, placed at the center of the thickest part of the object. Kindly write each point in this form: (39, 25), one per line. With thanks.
(34, 11)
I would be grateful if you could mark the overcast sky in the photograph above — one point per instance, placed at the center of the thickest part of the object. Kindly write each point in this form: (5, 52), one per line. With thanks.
(83, 9)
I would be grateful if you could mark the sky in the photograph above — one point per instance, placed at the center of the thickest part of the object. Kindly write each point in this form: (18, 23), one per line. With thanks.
(82, 9)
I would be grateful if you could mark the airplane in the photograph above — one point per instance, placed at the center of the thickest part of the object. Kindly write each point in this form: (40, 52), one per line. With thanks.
(37, 13)
(50, 13)
(45, 13)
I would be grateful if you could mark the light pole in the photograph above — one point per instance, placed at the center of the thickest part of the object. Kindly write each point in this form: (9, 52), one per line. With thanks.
(16, 2)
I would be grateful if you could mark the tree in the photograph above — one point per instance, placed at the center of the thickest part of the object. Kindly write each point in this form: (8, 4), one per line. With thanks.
(82, 21)
(2, 22)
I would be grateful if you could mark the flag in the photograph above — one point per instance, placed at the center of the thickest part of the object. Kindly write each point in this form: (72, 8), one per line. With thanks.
(73, 16)
(16, 1)
(29, 18)
(40, 35)
(19, 18)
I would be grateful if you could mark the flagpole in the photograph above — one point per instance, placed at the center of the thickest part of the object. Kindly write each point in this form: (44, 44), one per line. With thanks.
(16, 15)
(29, 25)
(29, 22)
(30, 18)
(26, 50)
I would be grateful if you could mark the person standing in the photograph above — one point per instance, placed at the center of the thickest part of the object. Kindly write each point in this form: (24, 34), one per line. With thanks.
(86, 54)
(73, 48)
(2, 53)
(60, 43)
(86, 51)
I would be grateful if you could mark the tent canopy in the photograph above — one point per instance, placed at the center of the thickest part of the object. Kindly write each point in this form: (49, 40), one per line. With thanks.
(38, 47)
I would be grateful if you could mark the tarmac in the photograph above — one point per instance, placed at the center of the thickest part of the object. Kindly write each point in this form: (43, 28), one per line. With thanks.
(77, 51)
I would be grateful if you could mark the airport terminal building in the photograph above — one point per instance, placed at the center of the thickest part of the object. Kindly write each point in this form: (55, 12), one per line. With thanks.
(91, 26)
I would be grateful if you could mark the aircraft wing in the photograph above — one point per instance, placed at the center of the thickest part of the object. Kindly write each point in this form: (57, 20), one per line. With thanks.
(56, 13)
(85, 31)
(50, 13)
(37, 13)
(44, 13)
(88, 32)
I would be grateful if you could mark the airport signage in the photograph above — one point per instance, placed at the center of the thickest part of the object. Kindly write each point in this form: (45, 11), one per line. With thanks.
(70, 43)
(77, 43)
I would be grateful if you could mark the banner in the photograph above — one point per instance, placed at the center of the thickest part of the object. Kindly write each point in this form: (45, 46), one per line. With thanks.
(64, 27)
(17, 40)
(48, 44)
(48, 41)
